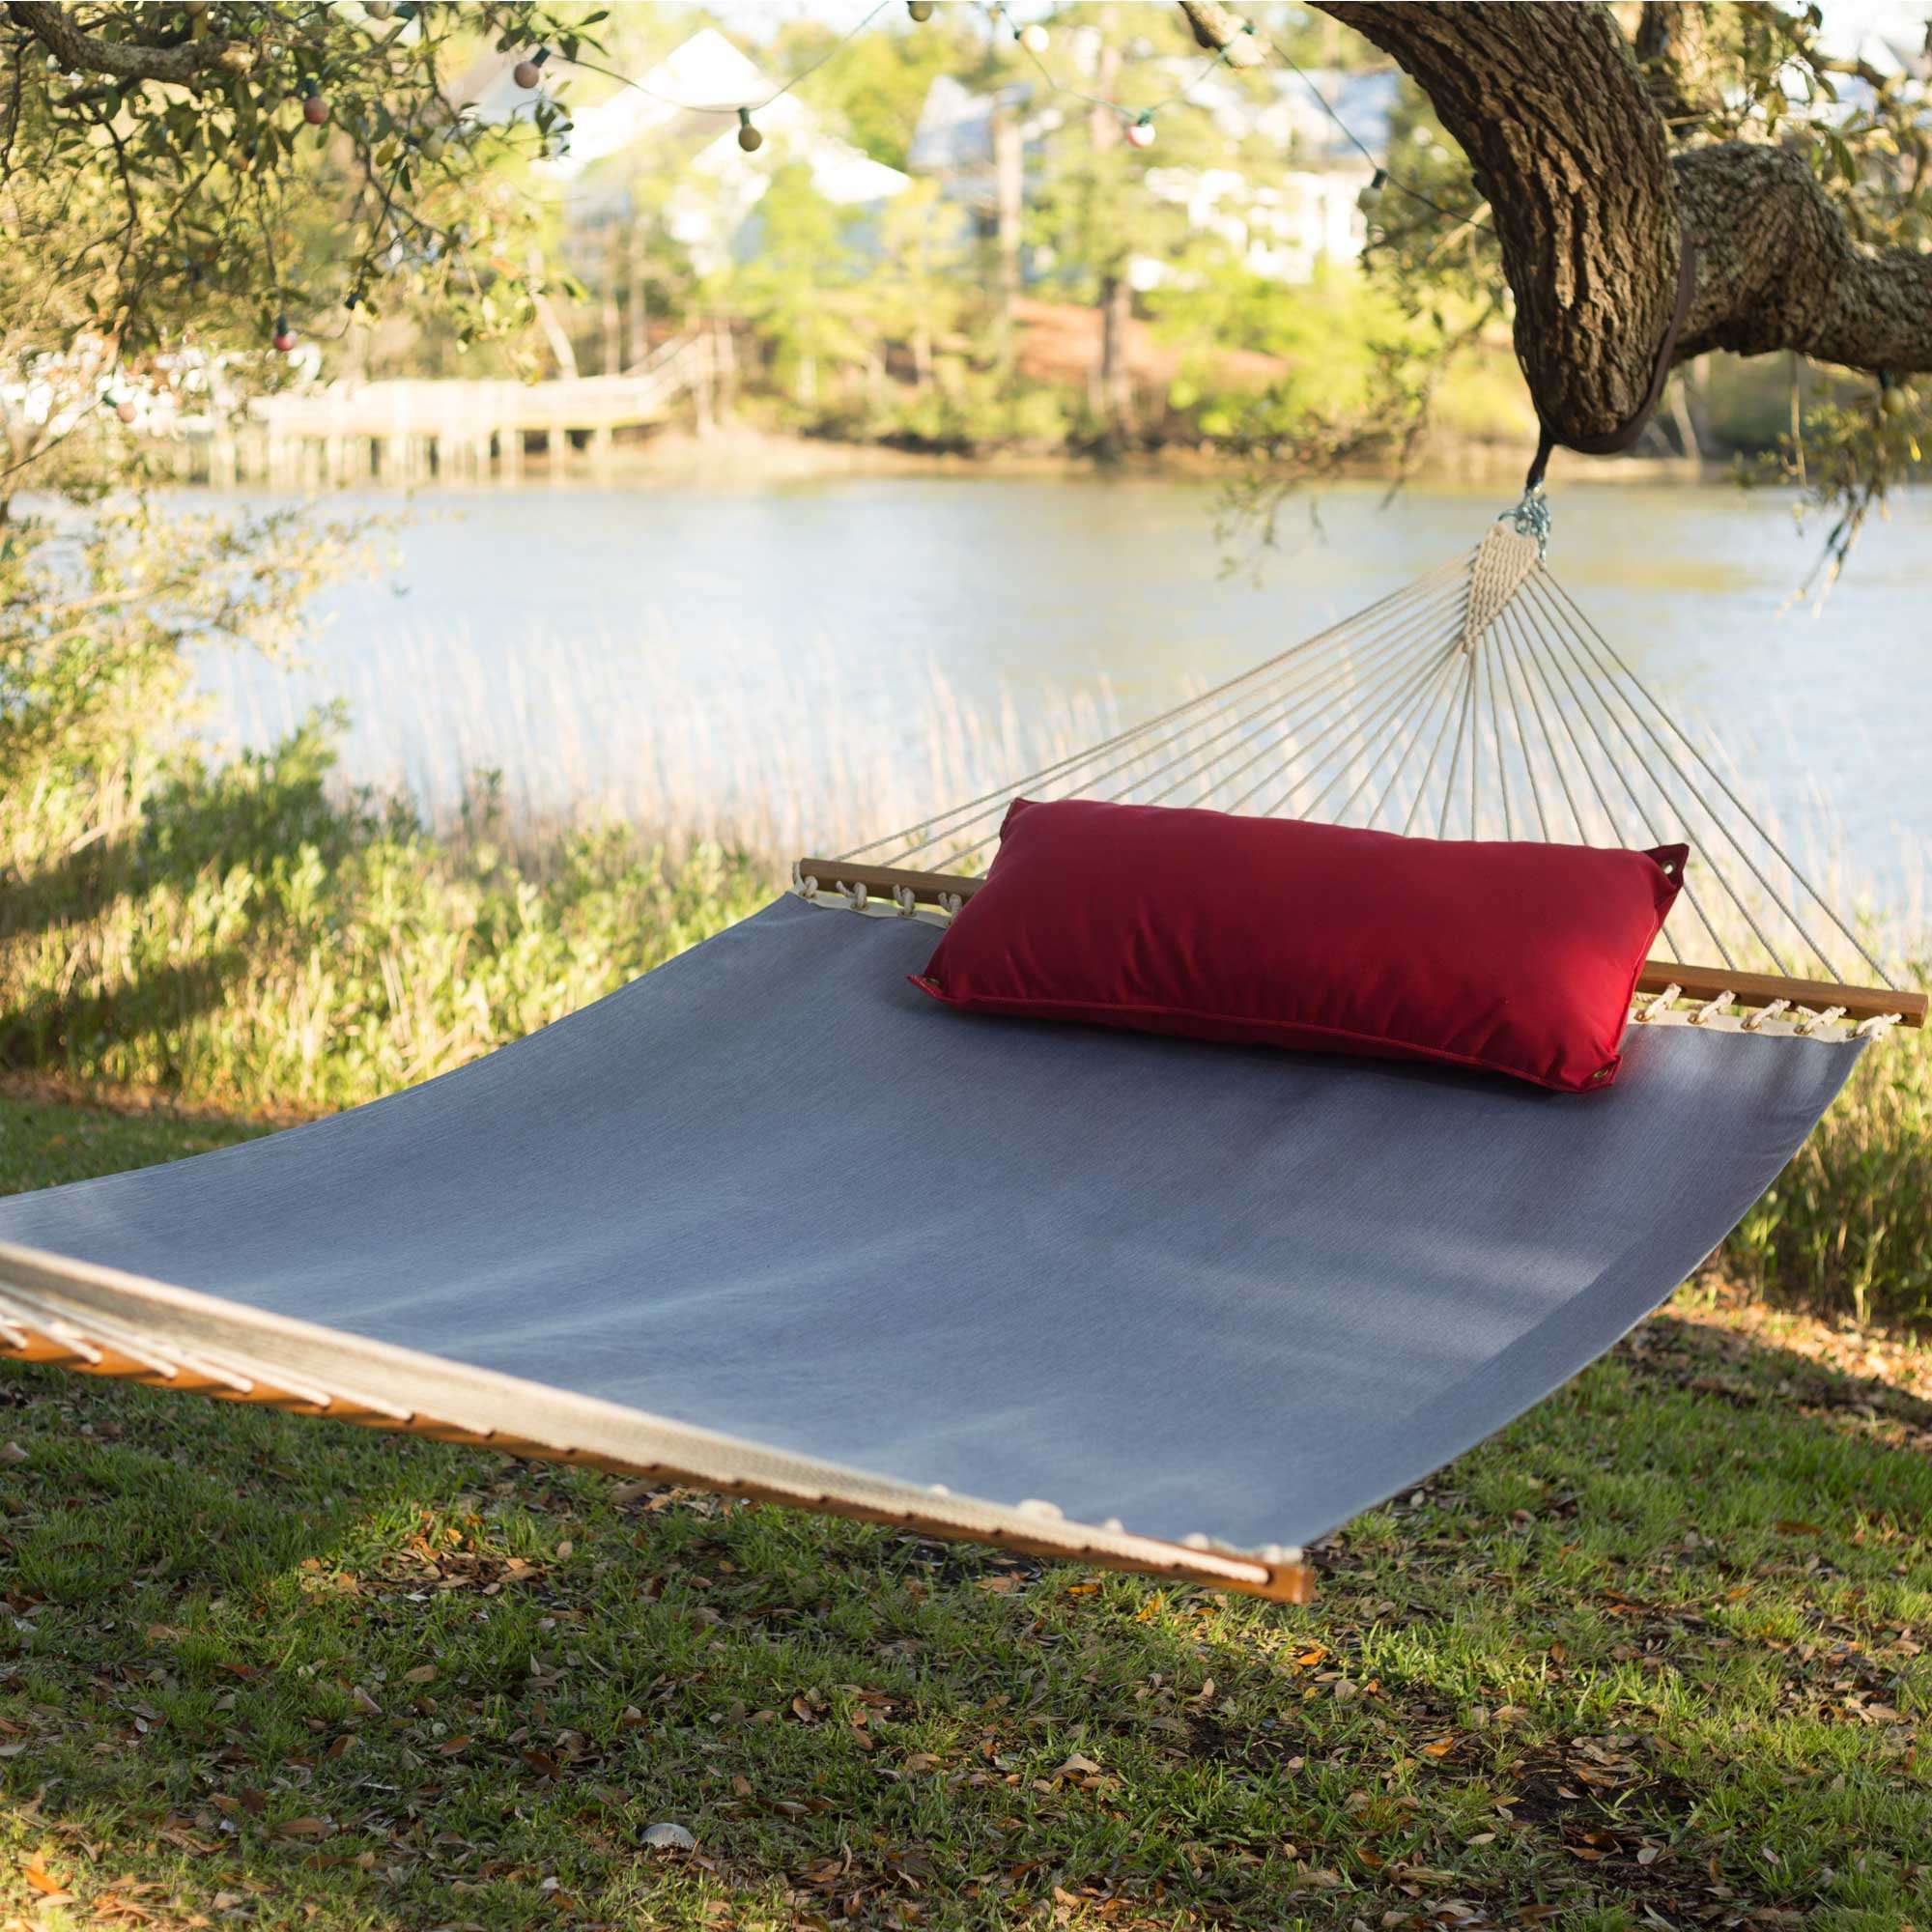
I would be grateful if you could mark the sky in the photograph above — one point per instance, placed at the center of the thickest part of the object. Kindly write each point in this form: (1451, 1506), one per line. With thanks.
(1849, 24)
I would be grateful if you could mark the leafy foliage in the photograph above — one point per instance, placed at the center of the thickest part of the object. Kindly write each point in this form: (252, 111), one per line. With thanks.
(177, 178)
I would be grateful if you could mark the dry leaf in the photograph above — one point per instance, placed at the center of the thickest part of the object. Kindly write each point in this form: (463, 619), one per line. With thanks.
(423, 1673)
(42, 1880)
(304, 1828)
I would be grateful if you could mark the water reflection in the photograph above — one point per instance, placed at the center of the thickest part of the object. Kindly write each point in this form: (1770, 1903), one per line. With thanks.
(840, 651)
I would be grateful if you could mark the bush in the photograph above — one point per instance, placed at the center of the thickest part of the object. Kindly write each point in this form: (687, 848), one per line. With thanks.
(257, 941)
(244, 931)
(1847, 1227)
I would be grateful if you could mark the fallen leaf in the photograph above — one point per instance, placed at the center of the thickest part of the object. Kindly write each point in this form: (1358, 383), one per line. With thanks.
(1437, 1746)
(304, 1828)
(42, 1880)
(423, 1673)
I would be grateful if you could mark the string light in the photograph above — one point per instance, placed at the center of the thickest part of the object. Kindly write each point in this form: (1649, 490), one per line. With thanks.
(285, 336)
(314, 109)
(528, 70)
(1033, 40)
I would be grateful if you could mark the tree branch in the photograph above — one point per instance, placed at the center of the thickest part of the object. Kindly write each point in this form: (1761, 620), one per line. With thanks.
(1565, 139)
(186, 64)
(1223, 31)
(1778, 268)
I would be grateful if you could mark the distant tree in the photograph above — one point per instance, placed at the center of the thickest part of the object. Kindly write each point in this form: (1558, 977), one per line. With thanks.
(797, 281)
(1092, 212)
(877, 85)
(918, 291)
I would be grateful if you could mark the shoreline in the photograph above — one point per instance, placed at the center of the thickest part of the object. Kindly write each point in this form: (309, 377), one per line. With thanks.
(739, 454)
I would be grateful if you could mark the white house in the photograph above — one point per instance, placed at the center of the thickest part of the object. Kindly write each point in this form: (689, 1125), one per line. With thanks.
(1283, 227)
(680, 119)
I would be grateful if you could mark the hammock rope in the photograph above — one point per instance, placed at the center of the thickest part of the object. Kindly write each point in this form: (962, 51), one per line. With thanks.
(1477, 695)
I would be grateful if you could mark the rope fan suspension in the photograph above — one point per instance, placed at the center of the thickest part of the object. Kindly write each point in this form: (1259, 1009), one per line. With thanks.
(1478, 701)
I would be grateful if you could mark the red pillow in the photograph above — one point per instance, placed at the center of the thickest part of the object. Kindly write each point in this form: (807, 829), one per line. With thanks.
(1521, 958)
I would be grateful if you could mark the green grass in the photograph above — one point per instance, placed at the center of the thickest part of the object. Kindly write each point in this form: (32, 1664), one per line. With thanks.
(1654, 1656)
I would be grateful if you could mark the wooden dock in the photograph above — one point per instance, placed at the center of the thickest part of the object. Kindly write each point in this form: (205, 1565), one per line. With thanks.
(403, 433)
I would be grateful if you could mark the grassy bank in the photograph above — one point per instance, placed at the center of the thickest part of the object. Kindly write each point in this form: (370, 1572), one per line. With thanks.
(257, 940)
(256, 1671)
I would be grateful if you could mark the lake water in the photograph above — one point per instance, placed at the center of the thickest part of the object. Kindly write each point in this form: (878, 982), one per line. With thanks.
(825, 659)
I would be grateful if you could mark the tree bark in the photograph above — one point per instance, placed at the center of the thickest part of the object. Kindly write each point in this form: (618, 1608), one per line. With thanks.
(1566, 139)
(1009, 205)
(1551, 109)
(1116, 297)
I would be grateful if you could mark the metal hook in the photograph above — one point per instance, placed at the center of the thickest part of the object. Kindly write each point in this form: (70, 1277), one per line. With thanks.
(1531, 519)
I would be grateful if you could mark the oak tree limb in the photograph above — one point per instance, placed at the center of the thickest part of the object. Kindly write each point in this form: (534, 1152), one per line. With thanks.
(1567, 143)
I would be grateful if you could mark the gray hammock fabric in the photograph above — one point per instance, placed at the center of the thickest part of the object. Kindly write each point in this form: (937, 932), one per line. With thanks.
(770, 1190)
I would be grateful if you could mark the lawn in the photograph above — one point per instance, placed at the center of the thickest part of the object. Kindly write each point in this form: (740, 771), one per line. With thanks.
(1653, 1657)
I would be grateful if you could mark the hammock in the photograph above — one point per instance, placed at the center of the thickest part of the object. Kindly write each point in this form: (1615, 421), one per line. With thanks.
(767, 1222)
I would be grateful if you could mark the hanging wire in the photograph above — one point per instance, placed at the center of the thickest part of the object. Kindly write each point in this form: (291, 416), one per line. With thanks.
(805, 72)
(997, 11)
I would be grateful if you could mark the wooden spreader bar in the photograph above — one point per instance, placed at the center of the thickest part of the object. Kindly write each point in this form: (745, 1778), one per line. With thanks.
(1695, 982)
(97, 1346)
